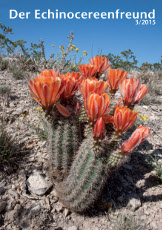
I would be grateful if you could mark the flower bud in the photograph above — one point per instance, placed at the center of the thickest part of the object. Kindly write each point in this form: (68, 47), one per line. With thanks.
(99, 129)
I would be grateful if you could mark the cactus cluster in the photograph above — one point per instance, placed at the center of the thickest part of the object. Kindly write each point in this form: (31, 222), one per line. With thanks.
(85, 141)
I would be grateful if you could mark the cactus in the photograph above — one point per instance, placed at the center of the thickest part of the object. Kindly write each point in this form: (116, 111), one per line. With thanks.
(88, 174)
(82, 171)
(64, 139)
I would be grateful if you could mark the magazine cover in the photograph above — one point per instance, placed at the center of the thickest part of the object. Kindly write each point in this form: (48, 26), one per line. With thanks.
(80, 115)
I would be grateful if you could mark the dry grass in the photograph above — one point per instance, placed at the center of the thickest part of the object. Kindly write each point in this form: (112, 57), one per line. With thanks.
(7, 145)
(128, 222)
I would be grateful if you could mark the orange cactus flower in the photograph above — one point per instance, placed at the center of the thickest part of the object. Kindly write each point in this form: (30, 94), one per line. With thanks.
(114, 77)
(101, 63)
(101, 86)
(46, 91)
(129, 88)
(124, 118)
(137, 137)
(87, 70)
(49, 73)
(97, 106)
(70, 81)
(92, 85)
(141, 93)
(99, 129)
(108, 119)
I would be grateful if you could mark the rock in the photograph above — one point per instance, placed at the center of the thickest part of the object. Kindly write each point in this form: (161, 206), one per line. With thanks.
(18, 111)
(145, 106)
(142, 217)
(2, 191)
(13, 193)
(43, 144)
(2, 183)
(66, 212)
(37, 184)
(134, 202)
(54, 196)
(11, 215)
(45, 203)
(2, 206)
(35, 210)
(59, 207)
(153, 225)
(73, 228)
(159, 225)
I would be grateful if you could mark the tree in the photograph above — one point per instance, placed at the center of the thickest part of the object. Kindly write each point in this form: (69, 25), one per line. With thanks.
(7, 44)
(157, 66)
(126, 60)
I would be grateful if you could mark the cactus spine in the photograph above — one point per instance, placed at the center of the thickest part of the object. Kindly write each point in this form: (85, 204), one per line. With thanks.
(88, 175)
(64, 138)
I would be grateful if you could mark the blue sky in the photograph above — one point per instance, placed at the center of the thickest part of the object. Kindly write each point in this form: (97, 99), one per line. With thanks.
(107, 35)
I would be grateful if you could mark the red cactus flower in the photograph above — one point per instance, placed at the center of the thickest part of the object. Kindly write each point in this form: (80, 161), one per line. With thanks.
(124, 118)
(99, 129)
(141, 93)
(46, 90)
(97, 106)
(87, 71)
(114, 77)
(137, 137)
(101, 63)
(70, 81)
(129, 88)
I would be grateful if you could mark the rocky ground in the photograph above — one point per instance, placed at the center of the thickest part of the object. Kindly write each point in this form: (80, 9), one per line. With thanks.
(28, 199)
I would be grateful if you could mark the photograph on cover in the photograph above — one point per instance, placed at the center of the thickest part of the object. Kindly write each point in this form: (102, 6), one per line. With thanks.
(80, 115)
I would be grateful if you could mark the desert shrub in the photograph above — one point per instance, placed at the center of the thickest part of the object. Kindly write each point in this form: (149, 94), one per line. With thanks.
(160, 75)
(4, 64)
(5, 90)
(128, 222)
(5, 94)
(18, 74)
(146, 76)
(66, 59)
(42, 133)
(33, 58)
(40, 129)
(17, 71)
(29, 65)
(155, 162)
(7, 145)
(146, 100)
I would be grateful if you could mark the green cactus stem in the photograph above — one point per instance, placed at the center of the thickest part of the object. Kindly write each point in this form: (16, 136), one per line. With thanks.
(64, 139)
(89, 173)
